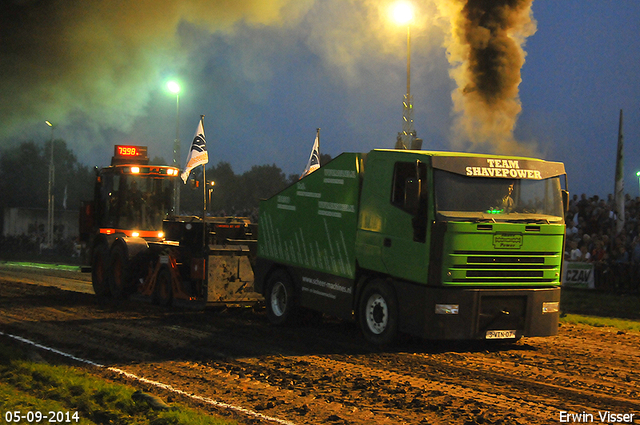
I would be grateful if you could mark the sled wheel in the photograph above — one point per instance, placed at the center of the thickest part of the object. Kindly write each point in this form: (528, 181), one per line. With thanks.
(280, 298)
(378, 313)
(163, 293)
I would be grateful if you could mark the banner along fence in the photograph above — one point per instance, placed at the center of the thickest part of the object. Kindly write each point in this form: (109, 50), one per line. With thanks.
(614, 277)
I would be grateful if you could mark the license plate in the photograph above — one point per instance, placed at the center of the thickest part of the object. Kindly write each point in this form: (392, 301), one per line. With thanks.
(500, 334)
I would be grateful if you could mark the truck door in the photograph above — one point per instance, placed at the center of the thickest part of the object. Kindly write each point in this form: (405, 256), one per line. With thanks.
(404, 251)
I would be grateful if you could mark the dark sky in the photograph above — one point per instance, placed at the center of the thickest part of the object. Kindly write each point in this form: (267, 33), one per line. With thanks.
(266, 74)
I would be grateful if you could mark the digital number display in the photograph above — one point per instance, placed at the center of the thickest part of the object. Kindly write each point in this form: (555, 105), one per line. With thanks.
(127, 151)
(130, 151)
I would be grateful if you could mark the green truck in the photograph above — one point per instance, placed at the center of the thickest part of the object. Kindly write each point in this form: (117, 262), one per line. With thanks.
(439, 245)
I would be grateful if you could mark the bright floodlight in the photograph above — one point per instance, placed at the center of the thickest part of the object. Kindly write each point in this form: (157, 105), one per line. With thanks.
(173, 87)
(402, 13)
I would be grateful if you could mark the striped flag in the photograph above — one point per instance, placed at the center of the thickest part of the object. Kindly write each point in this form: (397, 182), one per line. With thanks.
(198, 153)
(314, 159)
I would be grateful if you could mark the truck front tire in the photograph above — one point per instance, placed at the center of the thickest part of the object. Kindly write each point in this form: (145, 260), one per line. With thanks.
(378, 313)
(280, 299)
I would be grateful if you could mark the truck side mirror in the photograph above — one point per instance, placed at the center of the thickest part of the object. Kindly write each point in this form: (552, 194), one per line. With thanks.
(416, 144)
(565, 200)
(412, 195)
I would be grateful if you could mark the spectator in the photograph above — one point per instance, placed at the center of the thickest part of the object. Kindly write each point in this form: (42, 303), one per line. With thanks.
(599, 254)
(583, 204)
(585, 256)
(572, 230)
(622, 255)
(575, 253)
(635, 253)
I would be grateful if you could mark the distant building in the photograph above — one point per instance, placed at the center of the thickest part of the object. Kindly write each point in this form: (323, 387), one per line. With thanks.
(33, 222)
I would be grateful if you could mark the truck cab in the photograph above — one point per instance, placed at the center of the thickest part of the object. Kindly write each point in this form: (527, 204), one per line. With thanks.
(473, 242)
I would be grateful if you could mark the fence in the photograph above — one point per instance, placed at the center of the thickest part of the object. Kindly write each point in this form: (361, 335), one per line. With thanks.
(605, 276)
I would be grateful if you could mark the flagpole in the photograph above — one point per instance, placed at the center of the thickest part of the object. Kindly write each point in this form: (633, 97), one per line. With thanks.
(318, 136)
(204, 192)
(618, 194)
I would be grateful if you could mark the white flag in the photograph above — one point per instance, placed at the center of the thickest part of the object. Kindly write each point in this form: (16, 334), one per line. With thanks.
(197, 154)
(314, 158)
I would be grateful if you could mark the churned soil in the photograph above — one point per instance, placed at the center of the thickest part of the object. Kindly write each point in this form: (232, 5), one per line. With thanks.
(322, 371)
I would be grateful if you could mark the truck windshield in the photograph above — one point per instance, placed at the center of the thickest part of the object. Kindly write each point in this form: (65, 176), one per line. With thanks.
(463, 197)
(137, 202)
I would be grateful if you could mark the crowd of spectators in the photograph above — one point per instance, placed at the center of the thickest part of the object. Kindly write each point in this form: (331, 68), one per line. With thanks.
(592, 237)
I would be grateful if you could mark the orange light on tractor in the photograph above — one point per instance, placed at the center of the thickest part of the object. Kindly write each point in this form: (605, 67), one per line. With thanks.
(134, 233)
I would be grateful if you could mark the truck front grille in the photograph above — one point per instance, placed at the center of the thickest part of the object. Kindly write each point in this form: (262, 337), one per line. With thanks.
(478, 267)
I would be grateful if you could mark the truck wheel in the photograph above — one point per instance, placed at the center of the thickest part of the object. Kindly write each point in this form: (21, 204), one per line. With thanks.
(99, 271)
(280, 298)
(119, 272)
(378, 313)
(163, 292)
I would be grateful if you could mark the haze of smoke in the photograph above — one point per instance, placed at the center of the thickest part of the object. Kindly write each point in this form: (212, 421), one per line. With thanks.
(485, 48)
(354, 36)
(102, 58)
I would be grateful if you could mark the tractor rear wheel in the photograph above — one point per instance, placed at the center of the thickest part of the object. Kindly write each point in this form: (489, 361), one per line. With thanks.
(119, 272)
(99, 271)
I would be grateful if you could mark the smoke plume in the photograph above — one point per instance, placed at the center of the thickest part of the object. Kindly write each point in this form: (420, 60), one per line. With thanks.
(101, 59)
(485, 48)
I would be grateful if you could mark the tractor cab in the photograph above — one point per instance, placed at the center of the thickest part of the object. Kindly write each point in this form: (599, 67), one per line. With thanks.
(131, 197)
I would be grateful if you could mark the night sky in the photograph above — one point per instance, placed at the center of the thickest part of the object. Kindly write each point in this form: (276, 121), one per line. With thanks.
(266, 74)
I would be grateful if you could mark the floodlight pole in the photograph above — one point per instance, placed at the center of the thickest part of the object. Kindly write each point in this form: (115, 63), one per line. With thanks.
(50, 195)
(176, 154)
(174, 88)
(407, 136)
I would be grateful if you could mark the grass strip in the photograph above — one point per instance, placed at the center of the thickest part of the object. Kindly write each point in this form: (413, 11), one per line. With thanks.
(621, 324)
(29, 386)
(601, 304)
(52, 266)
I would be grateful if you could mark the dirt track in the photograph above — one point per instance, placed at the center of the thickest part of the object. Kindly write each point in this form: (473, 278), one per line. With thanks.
(324, 373)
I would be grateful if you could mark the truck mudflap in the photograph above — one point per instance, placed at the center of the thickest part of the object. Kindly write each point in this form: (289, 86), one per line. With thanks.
(478, 313)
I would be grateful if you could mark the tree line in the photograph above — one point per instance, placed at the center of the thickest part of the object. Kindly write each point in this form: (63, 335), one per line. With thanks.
(24, 177)
(236, 194)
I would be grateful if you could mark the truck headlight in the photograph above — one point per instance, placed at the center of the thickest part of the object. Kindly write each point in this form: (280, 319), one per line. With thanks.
(447, 308)
(550, 307)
